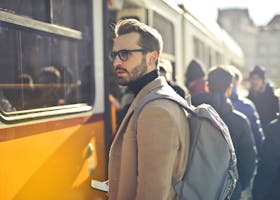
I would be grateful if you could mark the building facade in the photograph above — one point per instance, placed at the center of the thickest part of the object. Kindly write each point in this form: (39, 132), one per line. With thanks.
(260, 44)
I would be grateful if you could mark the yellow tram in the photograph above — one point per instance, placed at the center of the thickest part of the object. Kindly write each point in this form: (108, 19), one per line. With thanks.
(55, 112)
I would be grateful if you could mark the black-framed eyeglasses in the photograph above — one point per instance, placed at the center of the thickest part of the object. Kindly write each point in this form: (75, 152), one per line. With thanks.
(123, 54)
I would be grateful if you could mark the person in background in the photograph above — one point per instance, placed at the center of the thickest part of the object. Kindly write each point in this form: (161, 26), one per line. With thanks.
(143, 161)
(219, 86)
(267, 180)
(49, 82)
(262, 95)
(195, 78)
(22, 94)
(247, 107)
(166, 70)
(5, 105)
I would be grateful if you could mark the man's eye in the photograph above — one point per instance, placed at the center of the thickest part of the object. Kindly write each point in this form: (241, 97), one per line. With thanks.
(123, 53)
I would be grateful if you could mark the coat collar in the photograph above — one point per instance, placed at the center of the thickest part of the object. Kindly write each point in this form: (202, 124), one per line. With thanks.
(153, 85)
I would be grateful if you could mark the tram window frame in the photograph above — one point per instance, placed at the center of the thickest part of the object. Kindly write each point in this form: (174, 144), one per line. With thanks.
(24, 25)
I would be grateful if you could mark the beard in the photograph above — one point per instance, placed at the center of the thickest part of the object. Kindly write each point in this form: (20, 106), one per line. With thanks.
(136, 73)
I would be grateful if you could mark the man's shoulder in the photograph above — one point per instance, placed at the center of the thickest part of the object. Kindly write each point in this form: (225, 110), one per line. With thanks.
(162, 104)
(244, 105)
(246, 101)
(239, 118)
(163, 100)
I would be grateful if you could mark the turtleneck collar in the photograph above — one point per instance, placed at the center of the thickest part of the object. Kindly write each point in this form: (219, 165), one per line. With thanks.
(137, 85)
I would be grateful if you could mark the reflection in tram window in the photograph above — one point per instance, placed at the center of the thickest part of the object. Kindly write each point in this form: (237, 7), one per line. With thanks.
(5, 105)
(28, 52)
(21, 93)
(48, 87)
(34, 9)
(62, 14)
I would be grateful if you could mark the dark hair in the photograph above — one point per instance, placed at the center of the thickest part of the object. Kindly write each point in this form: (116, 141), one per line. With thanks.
(219, 79)
(49, 74)
(150, 39)
(194, 72)
(258, 70)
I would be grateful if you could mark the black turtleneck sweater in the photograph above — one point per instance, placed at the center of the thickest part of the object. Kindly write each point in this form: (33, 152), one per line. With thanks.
(135, 88)
(137, 85)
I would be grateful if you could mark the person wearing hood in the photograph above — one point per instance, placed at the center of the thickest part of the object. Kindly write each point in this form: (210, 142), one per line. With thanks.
(262, 95)
(195, 78)
(219, 86)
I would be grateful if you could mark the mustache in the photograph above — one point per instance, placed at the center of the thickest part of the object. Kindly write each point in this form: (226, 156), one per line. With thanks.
(120, 68)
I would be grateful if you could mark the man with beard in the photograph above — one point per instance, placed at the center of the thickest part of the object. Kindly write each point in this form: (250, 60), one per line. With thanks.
(143, 161)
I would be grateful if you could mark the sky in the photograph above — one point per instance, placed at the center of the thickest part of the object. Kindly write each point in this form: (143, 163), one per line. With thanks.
(261, 12)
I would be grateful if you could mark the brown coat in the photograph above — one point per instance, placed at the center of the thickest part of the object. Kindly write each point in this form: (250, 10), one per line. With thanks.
(142, 164)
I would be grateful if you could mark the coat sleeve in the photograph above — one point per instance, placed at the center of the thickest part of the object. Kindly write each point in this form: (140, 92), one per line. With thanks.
(247, 155)
(268, 167)
(158, 146)
(256, 126)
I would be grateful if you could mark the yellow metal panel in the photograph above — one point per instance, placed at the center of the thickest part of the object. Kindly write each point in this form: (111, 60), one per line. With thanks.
(54, 164)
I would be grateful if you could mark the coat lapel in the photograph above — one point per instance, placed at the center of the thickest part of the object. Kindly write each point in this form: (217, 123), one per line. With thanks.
(157, 83)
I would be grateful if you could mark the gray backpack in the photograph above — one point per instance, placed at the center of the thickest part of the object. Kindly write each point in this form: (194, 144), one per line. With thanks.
(211, 171)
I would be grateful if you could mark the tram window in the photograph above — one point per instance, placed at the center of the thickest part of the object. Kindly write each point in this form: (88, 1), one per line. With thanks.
(64, 14)
(162, 24)
(60, 12)
(218, 58)
(198, 49)
(35, 9)
(207, 56)
(41, 70)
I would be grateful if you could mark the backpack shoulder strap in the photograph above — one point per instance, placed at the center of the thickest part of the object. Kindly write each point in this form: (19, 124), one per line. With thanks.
(163, 93)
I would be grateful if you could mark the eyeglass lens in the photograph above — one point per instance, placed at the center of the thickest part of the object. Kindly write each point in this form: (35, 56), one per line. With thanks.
(123, 54)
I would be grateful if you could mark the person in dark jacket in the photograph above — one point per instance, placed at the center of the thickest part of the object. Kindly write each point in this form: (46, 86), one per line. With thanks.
(267, 181)
(195, 78)
(247, 107)
(262, 94)
(219, 83)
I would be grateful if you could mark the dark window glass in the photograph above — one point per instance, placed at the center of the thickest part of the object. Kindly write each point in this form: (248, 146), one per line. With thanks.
(69, 13)
(39, 69)
(162, 24)
(35, 9)
(65, 13)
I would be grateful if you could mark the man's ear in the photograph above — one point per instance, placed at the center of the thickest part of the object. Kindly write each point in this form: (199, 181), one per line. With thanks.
(152, 57)
(206, 87)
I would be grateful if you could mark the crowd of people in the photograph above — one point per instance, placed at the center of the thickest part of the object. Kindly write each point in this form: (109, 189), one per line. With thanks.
(144, 161)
